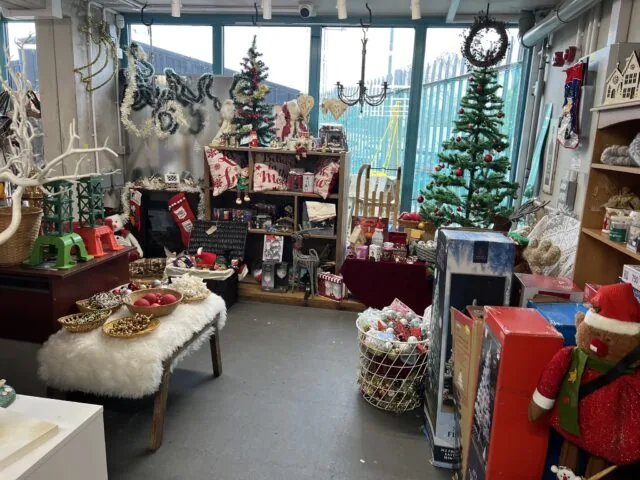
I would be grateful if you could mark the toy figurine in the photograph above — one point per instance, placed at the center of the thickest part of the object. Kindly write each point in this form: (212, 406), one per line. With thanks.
(243, 186)
(254, 139)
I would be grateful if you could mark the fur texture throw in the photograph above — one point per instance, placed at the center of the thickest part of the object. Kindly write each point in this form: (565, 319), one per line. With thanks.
(93, 362)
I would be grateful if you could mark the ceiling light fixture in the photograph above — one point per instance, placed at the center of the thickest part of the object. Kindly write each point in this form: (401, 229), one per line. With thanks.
(342, 9)
(175, 8)
(362, 96)
(415, 10)
(266, 9)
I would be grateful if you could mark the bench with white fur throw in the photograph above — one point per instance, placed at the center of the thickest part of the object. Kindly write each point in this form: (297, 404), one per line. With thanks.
(95, 363)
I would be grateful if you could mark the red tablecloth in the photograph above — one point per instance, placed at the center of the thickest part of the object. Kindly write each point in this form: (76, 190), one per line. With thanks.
(376, 284)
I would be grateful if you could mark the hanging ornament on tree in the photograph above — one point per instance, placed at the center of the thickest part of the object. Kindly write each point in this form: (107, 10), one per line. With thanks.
(470, 126)
(458, 139)
(437, 168)
(500, 114)
(459, 209)
(498, 148)
(430, 186)
(459, 172)
(479, 89)
(488, 158)
(436, 211)
(461, 111)
(480, 48)
(420, 199)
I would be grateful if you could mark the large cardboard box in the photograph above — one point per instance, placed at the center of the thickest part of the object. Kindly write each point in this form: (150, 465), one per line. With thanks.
(529, 285)
(472, 268)
(517, 345)
(467, 331)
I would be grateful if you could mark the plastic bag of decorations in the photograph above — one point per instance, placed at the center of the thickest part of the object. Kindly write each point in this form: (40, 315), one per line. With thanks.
(393, 358)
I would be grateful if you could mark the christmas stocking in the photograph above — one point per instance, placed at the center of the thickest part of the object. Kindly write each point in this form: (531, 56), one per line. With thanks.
(183, 215)
(135, 203)
(569, 131)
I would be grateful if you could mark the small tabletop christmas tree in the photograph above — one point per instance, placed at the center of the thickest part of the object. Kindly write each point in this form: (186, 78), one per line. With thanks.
(470, 183)
(248, 92)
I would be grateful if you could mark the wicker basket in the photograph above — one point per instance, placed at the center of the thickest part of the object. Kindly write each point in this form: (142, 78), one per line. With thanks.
(426, 254)
(196, 299)
(160, 311)
(15, 250)
(408, 223)
(83, 307)
(74, 324)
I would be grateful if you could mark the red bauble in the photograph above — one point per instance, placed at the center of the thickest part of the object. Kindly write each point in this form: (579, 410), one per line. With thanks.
(458, 139)
(479, 89)
(437, 168)
(420, 199)
(459, 209)
(461, 111)
(488, 158)
(436, 211)
(500, 114)
(459, 172)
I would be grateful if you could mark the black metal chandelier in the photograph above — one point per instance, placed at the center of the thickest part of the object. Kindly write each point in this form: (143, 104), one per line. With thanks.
(361, 96)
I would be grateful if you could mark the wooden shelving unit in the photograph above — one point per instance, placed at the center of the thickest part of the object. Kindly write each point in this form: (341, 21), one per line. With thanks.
(247, 157)
(598, 259)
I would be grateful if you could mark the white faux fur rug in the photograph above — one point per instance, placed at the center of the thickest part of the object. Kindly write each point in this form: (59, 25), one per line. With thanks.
(93, 362)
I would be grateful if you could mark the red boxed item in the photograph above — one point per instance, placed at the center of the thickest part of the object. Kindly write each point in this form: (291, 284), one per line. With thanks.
(331, 286)
(590, 290)
(528, 286)
(516, 347)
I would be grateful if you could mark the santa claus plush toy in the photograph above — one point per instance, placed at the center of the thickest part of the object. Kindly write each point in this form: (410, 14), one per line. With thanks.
(592, 390)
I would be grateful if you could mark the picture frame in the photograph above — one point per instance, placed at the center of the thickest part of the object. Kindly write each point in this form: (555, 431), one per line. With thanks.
(550, 160)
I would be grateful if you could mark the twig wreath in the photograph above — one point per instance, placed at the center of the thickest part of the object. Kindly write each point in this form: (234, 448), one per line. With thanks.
(484, 54)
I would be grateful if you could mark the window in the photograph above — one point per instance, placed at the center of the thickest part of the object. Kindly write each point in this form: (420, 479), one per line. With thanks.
(444, 84)
(377, 134)
(285, 51)
(188, 49)
(21, 39)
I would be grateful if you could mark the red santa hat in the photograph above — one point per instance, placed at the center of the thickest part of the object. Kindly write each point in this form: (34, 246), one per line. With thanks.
(616, 310)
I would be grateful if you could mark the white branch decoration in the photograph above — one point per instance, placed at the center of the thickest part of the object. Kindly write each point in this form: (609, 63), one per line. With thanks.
(20, 168)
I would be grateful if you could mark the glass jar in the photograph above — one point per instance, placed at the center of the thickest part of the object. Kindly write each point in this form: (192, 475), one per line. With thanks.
(619, 228)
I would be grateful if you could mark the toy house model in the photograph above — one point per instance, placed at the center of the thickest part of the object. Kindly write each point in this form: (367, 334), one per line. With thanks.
(624, 86)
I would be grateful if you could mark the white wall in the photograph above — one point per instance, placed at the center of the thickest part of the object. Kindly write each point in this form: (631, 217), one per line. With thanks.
(553, 93)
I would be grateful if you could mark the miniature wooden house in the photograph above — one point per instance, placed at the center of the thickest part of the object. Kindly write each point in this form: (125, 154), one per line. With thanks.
(624, 85)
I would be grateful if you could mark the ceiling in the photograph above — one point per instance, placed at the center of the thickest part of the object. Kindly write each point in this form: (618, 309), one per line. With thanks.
(463, 9)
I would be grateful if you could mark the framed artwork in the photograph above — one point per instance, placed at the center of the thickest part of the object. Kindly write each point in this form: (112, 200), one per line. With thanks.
(551, 157)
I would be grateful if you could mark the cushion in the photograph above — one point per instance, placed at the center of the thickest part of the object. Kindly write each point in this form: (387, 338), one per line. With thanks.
(224, 171)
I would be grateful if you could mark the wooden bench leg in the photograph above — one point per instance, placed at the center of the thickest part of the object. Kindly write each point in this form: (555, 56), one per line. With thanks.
(216, 358)
(159, 410)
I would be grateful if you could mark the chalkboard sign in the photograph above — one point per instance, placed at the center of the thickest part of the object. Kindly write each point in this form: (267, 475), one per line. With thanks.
(219, 237)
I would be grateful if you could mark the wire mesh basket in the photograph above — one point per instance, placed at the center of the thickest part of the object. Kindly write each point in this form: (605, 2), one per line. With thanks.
(391, 373)
(426, 251)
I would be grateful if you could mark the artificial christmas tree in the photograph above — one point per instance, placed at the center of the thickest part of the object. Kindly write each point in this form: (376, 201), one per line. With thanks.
(469, 185)
(252, 113)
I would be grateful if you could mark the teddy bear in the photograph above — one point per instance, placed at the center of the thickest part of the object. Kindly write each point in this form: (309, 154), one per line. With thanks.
(591, 392)
(123, 236)
(541, 254)
(226, 130)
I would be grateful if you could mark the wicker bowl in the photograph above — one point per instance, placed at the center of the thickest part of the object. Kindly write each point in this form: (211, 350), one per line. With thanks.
(75, 324)
(83, 307)
(160, 311)
(19, 246)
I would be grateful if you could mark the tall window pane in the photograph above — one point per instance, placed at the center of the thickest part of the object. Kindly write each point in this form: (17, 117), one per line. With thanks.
(188, 49)
(285, 50)
(443, 86)
(22, 46)
(377, 134)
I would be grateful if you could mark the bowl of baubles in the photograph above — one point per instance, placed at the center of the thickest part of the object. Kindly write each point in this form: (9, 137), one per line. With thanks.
(153, 301)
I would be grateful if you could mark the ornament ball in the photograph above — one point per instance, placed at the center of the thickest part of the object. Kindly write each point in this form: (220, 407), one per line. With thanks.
(488, 158)
(436, 211)
(458, 172)
(499, 148)
(437, 168)
(458, 139)
(461, 111)
(470, 126)
(459, 209)
(420, 199)
(479, 89)
(500, 114)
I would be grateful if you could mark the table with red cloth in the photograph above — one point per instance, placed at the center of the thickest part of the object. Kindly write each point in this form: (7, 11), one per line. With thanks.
(377, 284)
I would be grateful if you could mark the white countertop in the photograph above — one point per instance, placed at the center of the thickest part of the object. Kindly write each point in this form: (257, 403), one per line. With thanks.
(70, 417)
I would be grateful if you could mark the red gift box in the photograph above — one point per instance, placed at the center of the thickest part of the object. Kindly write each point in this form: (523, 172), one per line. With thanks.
(517, 345)
(530, 285)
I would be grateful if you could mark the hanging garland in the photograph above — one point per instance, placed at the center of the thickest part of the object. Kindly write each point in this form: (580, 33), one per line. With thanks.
(166, 117)
(485, 56)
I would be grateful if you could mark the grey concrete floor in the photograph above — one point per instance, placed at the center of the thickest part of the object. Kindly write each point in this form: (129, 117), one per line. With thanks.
(285, 408)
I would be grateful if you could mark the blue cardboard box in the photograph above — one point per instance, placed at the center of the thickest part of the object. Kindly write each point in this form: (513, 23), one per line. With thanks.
(562, 316)
(473, 267)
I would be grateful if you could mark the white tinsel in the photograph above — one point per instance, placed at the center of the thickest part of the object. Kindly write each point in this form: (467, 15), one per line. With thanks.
(151, 124)
(189, 285)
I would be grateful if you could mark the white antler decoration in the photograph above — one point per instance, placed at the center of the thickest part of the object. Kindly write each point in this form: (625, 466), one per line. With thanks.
(20, 168)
